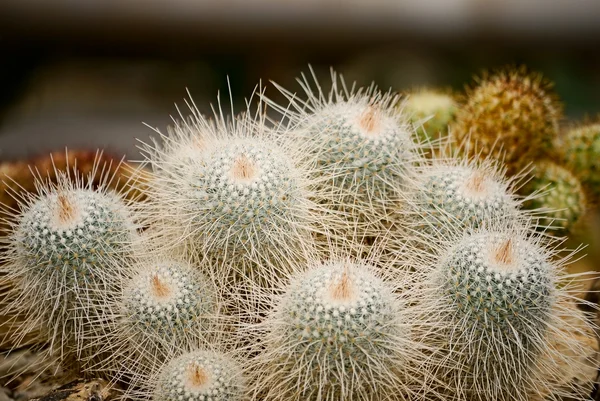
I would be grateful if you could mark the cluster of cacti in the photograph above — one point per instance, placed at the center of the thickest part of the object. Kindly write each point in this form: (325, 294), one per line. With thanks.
(327, 257)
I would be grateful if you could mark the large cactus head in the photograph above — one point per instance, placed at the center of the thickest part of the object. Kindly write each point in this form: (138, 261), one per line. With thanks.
(338, 330)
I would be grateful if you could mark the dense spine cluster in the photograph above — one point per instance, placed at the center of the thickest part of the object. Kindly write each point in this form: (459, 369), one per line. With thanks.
(200, 376)
(336, 333)
(495, 298)
(491, 119)
(321, 258)
(359, 148)
(449, 196)
(67, 249)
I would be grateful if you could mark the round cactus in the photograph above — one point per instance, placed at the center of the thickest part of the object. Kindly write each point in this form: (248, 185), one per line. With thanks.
(166, 306)
(495, 299)
(359, 148)
(511, 115)
(560, 196)
(200, 376)
(581, 147)
(430, 111)
(240, 199)
(66, 249)
(451, 195)
(337, 332)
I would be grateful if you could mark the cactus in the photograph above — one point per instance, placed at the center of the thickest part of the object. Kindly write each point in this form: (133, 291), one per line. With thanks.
(166, 306)
(451, 195)
(431, 112)
(581, 147)
(199, 375)
(511, 115)
(495, 300)
(561, 197)
(240, 199)
(66, 249)
(359, 147)
(337, 332)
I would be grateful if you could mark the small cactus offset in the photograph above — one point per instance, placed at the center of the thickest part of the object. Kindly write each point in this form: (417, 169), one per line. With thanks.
(431, 112)
(199, 375)
(167, 306)
(492, 118)
(561, 197)
(581, 147)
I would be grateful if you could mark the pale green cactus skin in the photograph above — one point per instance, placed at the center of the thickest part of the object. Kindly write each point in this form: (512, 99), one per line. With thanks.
(562, 198)
(79, 249)
(336, 333)
(581, 150)
(361, 148)
(168, 302)
(430, 112)
(200, 376)
(499, 293)
(243, 204)
(451, 198)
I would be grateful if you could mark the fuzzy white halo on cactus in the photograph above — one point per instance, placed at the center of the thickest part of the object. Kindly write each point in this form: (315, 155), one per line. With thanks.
(360, 148)
(198, 375)
(242, 200)
(337, 332)
(67, 247)
(495, 299)
(166, 306)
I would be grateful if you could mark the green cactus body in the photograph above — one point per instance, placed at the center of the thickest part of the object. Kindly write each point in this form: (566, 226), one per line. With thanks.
(581, 147)
(431, 112)
(450, 196)
(200, 376)
(68, 248)
(336, 333)
(499, 297)
(243, 187)
(561, 197)
(238, 197)
(360, 146)
(168, 302)
(77, 233)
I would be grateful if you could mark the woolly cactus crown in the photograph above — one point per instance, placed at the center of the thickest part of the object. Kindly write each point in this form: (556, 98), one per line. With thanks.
(337, 331)
(70, 245)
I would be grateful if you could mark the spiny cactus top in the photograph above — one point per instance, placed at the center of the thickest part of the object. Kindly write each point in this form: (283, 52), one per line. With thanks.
(200, 376)
(241, 195)
(451, 195)
(561, 197)
(76, 231)
(358, 143)
(495, 298)
(511, 115)
(581, 147)
(431, 112)
(68, 247)
(168, 301)
(337, 331)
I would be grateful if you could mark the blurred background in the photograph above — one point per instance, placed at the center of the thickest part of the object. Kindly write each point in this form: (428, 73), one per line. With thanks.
(87, 73)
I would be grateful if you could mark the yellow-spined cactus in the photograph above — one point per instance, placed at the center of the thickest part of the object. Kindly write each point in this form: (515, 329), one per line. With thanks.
(512, 115)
